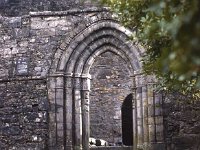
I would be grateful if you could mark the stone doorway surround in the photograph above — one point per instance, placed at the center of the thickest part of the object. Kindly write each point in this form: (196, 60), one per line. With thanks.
(69, 87)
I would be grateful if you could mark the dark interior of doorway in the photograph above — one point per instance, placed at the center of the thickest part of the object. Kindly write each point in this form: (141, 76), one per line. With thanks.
(127, 121)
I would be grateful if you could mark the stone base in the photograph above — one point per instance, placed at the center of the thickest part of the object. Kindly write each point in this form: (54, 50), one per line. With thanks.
(112, 148)
(152, 146)
(157, 146)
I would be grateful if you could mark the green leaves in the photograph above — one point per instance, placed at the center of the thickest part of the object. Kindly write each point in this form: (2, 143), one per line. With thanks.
(170, 32)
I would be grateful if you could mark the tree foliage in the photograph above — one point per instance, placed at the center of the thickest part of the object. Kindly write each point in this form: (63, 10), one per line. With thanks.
(170, 32)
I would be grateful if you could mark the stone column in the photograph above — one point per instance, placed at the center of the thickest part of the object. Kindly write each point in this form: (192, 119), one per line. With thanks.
(148, 112)
(139, 116)
(85, 112)
(68, 112)
(57, 114)
(59, 103)
(52, 112)
(139, 105)
(145, 115)
(135, 139)
(151, 114)
(155, 115)
(159, 130)
(77, 113)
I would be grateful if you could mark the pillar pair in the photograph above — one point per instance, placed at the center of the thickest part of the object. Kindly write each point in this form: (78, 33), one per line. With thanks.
(69, 112)
(147, 114)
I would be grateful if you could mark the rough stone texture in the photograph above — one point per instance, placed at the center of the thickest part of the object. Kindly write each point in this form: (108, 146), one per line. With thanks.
(111, 83)
(35, 40)
(23, 115)
(182, 122)
(23, 7)
(28, 46)
(111, 148)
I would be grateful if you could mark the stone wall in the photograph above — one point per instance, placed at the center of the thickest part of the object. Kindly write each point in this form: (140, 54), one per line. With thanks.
(27, 47)
(23, 114)
(23, 7)
(110, 85)
(28, 43)
(182, 122)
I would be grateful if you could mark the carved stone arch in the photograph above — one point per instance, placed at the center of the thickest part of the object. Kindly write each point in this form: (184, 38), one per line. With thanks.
(85, 38)
(90, 59)
(102, 44)
(69, 86)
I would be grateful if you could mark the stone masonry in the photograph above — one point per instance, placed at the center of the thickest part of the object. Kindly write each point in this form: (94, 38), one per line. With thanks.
(24, 116)
(65, 71)
(110, 85)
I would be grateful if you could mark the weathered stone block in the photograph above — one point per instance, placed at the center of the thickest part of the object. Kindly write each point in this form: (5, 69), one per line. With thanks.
(15, 22)
(22, 66)
(11, 130)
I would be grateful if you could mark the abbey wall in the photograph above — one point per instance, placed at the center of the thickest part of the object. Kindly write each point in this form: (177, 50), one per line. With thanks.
(28, 44)
(69, 72)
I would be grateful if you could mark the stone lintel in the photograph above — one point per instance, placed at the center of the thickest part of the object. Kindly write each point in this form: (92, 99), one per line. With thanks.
(68, 12)
(76, 75)
(22, 79)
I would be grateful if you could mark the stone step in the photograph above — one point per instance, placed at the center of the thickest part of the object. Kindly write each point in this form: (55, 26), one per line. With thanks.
(112, 148)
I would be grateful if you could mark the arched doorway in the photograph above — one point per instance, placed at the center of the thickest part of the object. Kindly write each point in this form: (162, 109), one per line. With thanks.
(69, 86)
(110, 84)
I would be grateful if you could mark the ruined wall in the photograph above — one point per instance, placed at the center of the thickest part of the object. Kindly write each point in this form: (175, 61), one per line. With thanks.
(23, 115)
(110, 85)
(28, 43)
(27, 47)
(182, 122)
(23, 7)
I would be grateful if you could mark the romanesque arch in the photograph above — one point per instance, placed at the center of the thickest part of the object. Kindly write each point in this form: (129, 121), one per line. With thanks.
(69, 86)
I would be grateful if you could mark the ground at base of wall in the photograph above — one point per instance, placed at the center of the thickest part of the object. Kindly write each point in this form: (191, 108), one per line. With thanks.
(112, 148)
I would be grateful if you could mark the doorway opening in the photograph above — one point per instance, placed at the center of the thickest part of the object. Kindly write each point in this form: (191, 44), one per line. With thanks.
(111, 83)
(127, 121)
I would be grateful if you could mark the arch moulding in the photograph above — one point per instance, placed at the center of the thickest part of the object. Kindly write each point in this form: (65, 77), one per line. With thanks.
(69, 87)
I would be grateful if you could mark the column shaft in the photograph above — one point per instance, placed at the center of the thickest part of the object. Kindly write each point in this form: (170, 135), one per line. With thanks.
(151, 114)
(134, 104)
(68, 113)
(77, 119)
(145, 114)
(52, 112)
(159, 117)
(85, 113)
(139, 116)
(59, 105)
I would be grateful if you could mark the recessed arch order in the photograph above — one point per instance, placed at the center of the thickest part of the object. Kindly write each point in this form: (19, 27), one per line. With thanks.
(97, 38)
(70, 80)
